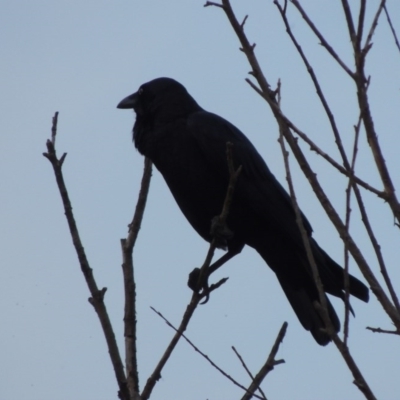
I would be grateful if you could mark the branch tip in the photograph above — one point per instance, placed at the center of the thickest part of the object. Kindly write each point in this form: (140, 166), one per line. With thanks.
(211, 3)
(244, 21)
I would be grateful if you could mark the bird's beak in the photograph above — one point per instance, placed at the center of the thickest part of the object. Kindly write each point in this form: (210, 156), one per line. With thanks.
(129, 102)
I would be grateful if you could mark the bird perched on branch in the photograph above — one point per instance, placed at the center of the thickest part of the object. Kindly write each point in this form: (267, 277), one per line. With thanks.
(188, 146)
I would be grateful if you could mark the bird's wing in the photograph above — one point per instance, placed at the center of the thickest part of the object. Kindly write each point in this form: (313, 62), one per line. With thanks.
(256, 186)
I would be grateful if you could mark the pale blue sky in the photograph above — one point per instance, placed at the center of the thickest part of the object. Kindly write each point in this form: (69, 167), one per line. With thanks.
(81, 59)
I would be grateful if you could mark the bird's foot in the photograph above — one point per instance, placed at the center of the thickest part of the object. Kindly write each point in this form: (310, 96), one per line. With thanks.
(194, 279)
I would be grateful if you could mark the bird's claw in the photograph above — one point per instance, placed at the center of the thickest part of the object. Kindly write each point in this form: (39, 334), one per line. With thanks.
(199, 286)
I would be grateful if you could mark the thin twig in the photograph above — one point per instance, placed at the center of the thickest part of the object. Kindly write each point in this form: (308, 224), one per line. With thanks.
(156, 375)
(211, 3)
(330, 330)
(350, 23)
(54, 129)
(321, 38)
(379, 330)
(372, 137)
(320, 152)
(97, 299)
(317, 86)
(360, 27)
(396, 40)
(127, 246)
(372, 29)
(248, 371)
(376, 246)
(359, 379)
(347, 224)
(202, 354)
(269, 364)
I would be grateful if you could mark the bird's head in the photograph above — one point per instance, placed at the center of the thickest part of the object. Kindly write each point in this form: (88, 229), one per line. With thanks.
(157, 103)
(160, 98)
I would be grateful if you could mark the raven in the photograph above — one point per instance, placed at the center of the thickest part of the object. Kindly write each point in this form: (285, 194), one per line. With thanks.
(188, 146)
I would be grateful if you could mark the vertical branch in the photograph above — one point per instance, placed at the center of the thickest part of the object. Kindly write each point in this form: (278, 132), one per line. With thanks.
(349, 20)
(306, 242)
(372, 29)
(360, 27)
(363, 101)
(347, 223)
(97, 299)
(127, 245)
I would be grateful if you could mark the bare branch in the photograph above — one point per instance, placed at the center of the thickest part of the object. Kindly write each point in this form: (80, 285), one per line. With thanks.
(156, 375)
(54, 129)
(396, 40)
(360, 28)
(320, 152)
(248, 371)
(317, 86)
(374, 24)
(347, 224)
(379, 330)
(321, 38)
(330, 330)
(134, 226)
(286, 125)
(97, 299)
(127, 245)
(204, 355)
(372, 236)
(211, 3)
(362, 84)
(269, 364)
(359, 380)
(350, 23)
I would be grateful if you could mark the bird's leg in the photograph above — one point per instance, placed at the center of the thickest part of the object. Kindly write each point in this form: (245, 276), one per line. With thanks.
(220, 233)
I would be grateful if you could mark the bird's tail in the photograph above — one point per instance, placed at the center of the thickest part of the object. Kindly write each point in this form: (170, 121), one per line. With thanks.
(295, 276)
(305, 304)
(333, 279)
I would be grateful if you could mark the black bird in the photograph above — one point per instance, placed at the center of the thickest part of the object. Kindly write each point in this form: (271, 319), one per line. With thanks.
(188, 146)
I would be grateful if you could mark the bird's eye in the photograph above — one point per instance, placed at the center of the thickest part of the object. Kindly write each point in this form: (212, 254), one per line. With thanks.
(140, 91)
